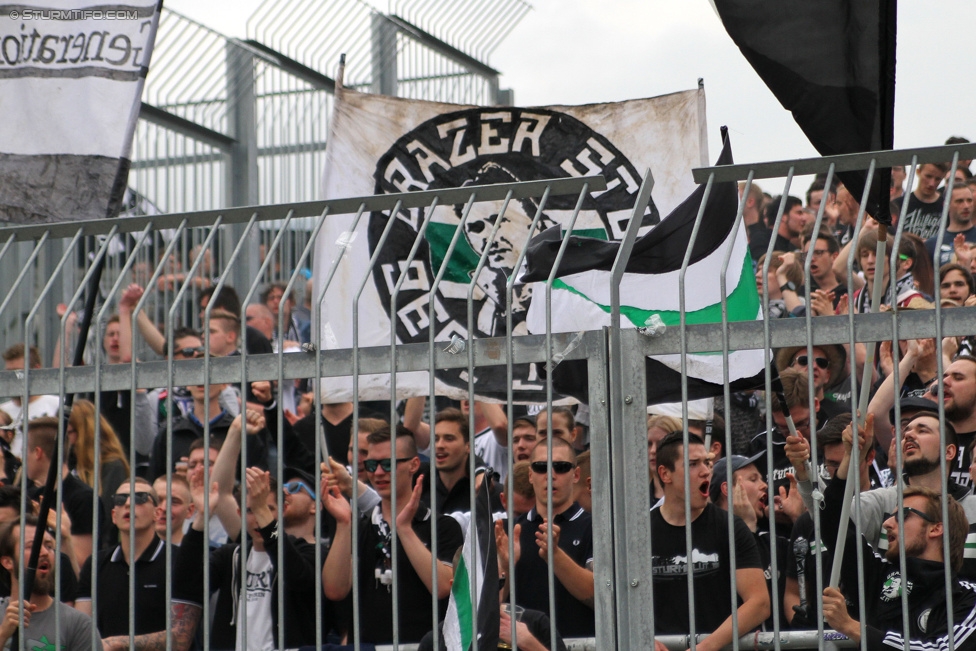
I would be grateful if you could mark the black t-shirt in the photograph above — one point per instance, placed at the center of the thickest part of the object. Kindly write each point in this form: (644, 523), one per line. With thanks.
(922, 219)
(712, 570)
(376, 594)
(573, 617)
(336, 436)
(959, 470)
(765, 554)
(112, 617)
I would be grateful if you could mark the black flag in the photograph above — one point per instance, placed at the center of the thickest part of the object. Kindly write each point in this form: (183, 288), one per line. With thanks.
(832, 64)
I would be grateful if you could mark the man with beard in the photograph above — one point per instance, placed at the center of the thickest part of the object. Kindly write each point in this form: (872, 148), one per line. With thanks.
(920, 546)
(959, 385)
(41, 612)
(922, 448)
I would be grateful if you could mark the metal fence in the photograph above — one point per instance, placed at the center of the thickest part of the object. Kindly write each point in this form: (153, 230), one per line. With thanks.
(614, 358)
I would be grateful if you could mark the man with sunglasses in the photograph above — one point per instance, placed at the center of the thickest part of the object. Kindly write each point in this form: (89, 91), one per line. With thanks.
(920, 544)
(300, 505)
(572, 535)
(134, 512)
(829, 370)
(922, 450)
(412, 520)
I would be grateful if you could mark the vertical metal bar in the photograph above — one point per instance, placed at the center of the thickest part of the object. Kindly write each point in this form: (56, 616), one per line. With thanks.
(472, 521)
(943, 470)
(268, 259)
(320, 441)
(280, 443)
(394, 295)
(28, 322)
(510, 413)
(432, 380)
(727, 444)
(62, 363)
(549, 415)
(632, 525)
(682, 316)
(393, 443)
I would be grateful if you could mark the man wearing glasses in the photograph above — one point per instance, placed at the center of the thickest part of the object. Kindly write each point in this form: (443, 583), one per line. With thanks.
(300, 505)
(572, 535)
(920, 543)
(134, 512)
(413, 523)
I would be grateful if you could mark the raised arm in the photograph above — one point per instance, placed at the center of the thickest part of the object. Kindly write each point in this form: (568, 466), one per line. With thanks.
(413, 420)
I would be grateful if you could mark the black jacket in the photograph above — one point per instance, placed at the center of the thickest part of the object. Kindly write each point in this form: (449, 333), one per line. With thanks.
(300, 580)
(883, 585)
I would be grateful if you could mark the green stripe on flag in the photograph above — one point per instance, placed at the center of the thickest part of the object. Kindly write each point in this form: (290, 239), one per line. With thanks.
(743, 304)
(461, 589)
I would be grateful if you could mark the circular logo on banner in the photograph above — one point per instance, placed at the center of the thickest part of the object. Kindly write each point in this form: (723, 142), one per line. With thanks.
(483, 146)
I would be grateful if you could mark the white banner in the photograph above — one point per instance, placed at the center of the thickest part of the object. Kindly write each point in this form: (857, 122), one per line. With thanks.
(384, 144)
(71, 79)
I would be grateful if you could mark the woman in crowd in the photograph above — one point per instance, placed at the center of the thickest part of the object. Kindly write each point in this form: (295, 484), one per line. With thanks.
(658, 426)
(81, 437)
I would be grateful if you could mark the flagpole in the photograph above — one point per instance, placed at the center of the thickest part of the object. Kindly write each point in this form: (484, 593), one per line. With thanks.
(862, 410)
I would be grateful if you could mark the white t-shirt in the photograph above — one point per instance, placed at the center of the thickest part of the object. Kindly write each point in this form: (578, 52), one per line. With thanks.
(260, 578)
(41, 406)
(495, 456)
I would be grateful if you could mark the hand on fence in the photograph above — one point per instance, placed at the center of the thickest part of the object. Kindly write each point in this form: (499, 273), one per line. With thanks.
(797, 450)
(865, 437)
(835, 612)
(338, 476)
(11, 618)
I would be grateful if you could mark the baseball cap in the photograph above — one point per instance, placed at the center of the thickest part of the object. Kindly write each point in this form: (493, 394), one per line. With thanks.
(718, 471)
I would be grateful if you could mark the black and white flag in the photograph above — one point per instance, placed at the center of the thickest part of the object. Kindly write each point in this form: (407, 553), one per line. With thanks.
(71, 79)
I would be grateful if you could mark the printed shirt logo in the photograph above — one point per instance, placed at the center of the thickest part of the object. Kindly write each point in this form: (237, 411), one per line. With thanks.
(483, 146)
(42, 644)
(891, 589)
(678, 565)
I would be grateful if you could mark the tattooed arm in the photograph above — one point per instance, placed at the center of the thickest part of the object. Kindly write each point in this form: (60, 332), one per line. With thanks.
(183, 622)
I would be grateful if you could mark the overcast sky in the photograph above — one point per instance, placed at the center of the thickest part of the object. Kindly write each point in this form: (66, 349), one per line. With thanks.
(585, 51)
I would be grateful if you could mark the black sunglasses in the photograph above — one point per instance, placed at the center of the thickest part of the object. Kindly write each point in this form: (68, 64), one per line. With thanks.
(821, 362)
(386, 464)
(558, 467)
(906, 510)
(190, 352)
(119, 499)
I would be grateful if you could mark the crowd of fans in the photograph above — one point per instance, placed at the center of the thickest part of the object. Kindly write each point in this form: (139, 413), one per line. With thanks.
(184, 495)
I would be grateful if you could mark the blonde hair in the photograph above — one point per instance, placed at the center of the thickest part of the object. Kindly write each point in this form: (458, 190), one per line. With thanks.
(667, 423)
(83, 420)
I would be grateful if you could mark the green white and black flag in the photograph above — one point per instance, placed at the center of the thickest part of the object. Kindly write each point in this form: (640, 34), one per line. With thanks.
(71, 79)
(477, 574)
(380, 145)
(581, 293)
